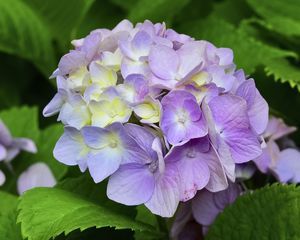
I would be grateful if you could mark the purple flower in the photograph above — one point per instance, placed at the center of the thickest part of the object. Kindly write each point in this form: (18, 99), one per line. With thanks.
(101, 150)
(172, 67)
(157, 185)
(206, 206)
(134, 89)
(182, 118)
(287, 167)
(284, 164)
(257, 107)
(230, 132)
(199, 168)
(10, 147)
(203, 210)
(37, 175)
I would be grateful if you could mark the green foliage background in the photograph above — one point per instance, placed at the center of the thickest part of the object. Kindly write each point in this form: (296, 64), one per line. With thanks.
(34, 34)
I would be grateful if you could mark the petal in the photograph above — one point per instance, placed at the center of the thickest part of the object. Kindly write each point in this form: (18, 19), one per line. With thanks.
(70, 149)
(244, 145)
(218, 179)
(3, 152)
(75, 112)
(229, 112)
(104, 77)
(258, 110)
(287, 168)
(37, 175)
(225, 55)
(2, 178)
(54, 105)
(143, 137)
(141, 43)
(194, 172)
(163, 62)
(191, 57)
(95, 137)
(103, 163)
(268, 157)
(204, 208)
(71, 62)
(165, 198)
(5, 136)
(124, 188)
(277, 129)
(25, 144)
(182, 217)
(91, 45)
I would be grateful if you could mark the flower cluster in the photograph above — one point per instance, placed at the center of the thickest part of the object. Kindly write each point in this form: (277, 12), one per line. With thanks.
(159, 113)
(37, 175)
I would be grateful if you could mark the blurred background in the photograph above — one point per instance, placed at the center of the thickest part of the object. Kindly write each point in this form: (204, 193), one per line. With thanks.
(34, 34)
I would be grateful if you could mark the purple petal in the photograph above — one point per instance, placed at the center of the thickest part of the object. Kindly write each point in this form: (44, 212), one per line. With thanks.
(258, 110)
(206, 205)
(194, 172)
(277, 129)
(124, 188)
(37, 175)
(5, 136)
(71, 62)
(269, 155)
(163, 62)
(230, 115)
(225, 55)
(70, 149)
(75, 112)
(95, 137)
(143, 137)
(218, 179)
(2, 178)
(141, 43)
(182, 217)
(191, 57)
(165, 198)
(244, 145)
(181, 118)
(55, 104)
(3, 152)
(103, 163)
(91, 45)
(25, 144)
(204, 208)
(287, 168)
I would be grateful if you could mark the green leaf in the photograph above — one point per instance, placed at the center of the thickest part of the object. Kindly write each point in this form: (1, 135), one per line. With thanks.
(269, 213)
(47, 212)
(126, 5)
(22, 121)
(102, 14)
(144, 215)
(156, 10)
(22, 33)
(233, 11)
(249, 53)
(281, 16)
(61, 16)
(87, 188)
(8, 216)
(284, 71)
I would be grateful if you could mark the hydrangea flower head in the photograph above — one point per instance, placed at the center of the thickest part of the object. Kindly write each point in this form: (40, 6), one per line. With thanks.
(160, 114)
